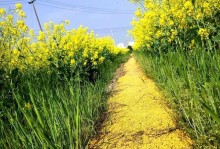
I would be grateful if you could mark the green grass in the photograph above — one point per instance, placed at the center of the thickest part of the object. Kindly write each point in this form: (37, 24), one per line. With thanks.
(192, 82)
(45, 112)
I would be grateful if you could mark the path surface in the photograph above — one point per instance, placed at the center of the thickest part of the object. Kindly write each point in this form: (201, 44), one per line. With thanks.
(139, 118)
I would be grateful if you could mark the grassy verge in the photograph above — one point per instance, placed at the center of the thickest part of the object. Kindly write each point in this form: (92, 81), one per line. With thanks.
(46, 112)
(191, 80)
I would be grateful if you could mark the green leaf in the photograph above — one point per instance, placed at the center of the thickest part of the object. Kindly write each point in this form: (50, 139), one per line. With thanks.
(189, 19)
(213, 114)
(216, 38)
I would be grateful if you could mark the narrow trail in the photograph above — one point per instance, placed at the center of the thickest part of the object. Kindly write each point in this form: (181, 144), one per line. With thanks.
(138, 116)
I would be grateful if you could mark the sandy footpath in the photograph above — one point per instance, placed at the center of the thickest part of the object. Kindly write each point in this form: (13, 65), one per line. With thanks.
(138, 117)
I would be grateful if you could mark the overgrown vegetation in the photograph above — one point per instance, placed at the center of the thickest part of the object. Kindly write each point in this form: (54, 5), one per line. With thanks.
(45, 112)
(178, 45)
(52, 85)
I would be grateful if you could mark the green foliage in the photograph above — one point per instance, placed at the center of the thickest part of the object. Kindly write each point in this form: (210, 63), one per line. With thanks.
(192, 81)
(180, 47)
(47, 112)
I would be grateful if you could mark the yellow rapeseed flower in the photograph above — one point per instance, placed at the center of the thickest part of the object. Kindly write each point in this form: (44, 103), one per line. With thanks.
(67, 22)
(10, 18)
(85, 63)
(94, 63)
(20, 23)
(2, 11)
(72, 62)
(192, 44)
(21, 14)
(101, 59)
(28, 53)
(27, 105)
(41, 36)
(31, 33)
(204, 33)
(18, 6)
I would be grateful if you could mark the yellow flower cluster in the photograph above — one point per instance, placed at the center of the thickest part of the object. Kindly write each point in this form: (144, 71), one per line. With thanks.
(23, 50)
(163, 21)
(203, 32)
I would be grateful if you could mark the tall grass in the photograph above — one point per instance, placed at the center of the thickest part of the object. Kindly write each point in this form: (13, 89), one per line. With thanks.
(192, 80)
(47, 112)
(181, 40)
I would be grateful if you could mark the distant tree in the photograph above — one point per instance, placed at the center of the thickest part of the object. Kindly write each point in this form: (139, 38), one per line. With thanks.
(130, 48)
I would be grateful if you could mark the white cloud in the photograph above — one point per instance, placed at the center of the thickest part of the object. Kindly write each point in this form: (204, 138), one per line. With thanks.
(121, 45)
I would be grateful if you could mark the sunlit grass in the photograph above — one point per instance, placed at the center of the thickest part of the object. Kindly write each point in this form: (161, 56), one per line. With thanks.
(47, 113)
(192, 81)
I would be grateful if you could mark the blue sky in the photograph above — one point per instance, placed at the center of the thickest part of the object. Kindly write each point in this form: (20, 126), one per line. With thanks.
(105, 17)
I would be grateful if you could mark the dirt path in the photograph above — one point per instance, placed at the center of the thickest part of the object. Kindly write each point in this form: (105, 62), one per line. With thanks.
(138, 119)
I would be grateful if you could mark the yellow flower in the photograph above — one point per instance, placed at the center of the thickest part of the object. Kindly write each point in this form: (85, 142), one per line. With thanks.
(94, 63)
(21, 14)
(67, 22)
(2, 11)
(41, 36)
(95, 56)
(20, 23)
(10, 18)
(85, 63)
(138, 12)
(27, 105)
(30, 59)
(199, 15)
(85, 54)
(101, 59)
(16, 52)
(188, 5)
(31, 33)
(169, 40)
(158, 34)
(29, 54)
(162, 21)
(174, 34)
(207, 8)
(204, 33)
(70, 54)
(72, 62)
(18, 6)
(192, 44)
(46, 26)
(171, 23)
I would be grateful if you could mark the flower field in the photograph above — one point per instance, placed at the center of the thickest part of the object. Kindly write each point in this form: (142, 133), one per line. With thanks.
(178, 43)
(52, 83)
(54, 49)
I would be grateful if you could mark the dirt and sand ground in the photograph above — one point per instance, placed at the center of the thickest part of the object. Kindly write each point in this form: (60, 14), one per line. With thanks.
(137, 116)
